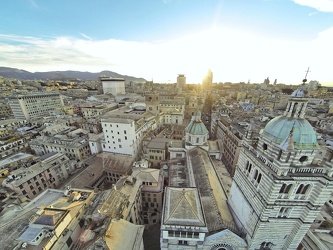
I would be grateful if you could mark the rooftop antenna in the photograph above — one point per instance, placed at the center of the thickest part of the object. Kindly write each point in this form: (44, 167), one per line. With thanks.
(307, 71)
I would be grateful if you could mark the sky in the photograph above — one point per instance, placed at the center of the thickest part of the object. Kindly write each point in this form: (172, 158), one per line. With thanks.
(239, 40)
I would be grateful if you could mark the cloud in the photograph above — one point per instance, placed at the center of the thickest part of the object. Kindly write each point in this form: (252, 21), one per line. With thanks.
(85, 36)
(313, 13)
(233, 55)
(320, 5)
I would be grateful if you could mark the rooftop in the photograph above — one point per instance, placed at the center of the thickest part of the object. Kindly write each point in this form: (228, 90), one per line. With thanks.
(123, 235)
(213, 195)
(183, 207)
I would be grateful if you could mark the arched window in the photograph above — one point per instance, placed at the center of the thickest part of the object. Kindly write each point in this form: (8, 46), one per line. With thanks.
(247, 165)
(302, 189)
(255, 174)
(285, 188)
(299, 189)
(280, 154)
(221, 246)
(259, 178)
(266, 245)
(250, 167)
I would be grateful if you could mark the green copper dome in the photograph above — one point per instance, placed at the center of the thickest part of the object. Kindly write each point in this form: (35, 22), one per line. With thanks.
(196, 126)
(303, 134)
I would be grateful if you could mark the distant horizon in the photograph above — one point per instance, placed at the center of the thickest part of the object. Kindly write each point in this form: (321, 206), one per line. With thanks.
(166, 82)
(169, 81)
(238, 40)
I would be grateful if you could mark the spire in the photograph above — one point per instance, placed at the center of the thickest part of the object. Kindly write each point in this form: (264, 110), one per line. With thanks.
(288, 143)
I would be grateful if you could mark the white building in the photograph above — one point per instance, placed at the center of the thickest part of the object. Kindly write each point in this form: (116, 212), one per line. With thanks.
(114, 86)
(124, 130)
(33, 105)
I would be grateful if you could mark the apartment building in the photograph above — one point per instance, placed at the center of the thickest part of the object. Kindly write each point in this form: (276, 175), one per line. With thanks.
(97, 110)
(58, 225)
(231, 143)
(124, 201)
(156, 150)
(5, 110)
(151, 192)
(33, 105)
(124, 130)
(12, 145)
(49, 172)
(75, 147)
(93, 125)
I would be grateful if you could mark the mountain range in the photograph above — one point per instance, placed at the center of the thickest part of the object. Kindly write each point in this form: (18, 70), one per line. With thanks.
(61, 75)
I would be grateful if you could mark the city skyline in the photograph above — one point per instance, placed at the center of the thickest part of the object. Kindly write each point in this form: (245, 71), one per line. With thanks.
(157, 40)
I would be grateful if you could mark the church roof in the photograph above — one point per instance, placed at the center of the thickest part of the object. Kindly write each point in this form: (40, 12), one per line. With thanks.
(183, 207)
(303, 134)
(196, 126)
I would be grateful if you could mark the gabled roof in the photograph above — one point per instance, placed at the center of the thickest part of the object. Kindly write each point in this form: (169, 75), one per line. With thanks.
(146, 174)
(123, 235)
(50, 217)
(183, 207)
(114, 205)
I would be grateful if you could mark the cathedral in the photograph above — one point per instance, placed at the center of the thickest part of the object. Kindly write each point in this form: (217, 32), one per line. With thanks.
(276, 193)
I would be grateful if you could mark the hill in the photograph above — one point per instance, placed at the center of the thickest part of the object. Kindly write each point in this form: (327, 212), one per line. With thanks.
(61, 75)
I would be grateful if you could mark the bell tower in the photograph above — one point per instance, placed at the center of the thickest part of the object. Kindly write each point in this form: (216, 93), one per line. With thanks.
(278, 188)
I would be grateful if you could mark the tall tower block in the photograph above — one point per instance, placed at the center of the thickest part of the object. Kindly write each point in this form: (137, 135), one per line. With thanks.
(152, 102)
(115, 86)
(181, 81)
(207, 80)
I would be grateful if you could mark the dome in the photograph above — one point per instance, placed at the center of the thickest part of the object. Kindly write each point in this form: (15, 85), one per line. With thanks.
(196, 128)
(303, 135)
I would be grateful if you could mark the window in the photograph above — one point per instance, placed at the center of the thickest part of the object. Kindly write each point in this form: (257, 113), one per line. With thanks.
(303, 158)
(265, 146)
(285, 188)
(302, 189)
(265, 245)
(125, 132)
(183, 242)
(69, 241)
(284, 212)
(119, 140)
(256, 174)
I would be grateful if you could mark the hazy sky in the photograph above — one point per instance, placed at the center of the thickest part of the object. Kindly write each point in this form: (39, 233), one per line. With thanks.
(239, 40)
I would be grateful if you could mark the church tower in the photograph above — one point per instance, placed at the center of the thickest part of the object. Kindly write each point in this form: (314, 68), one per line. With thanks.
(152, 103)
(278, 188)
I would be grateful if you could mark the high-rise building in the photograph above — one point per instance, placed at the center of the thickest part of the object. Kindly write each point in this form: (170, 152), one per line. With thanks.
(115, 86)
(207, 81)
(34, 105)
(181, 80)
(278, 188)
